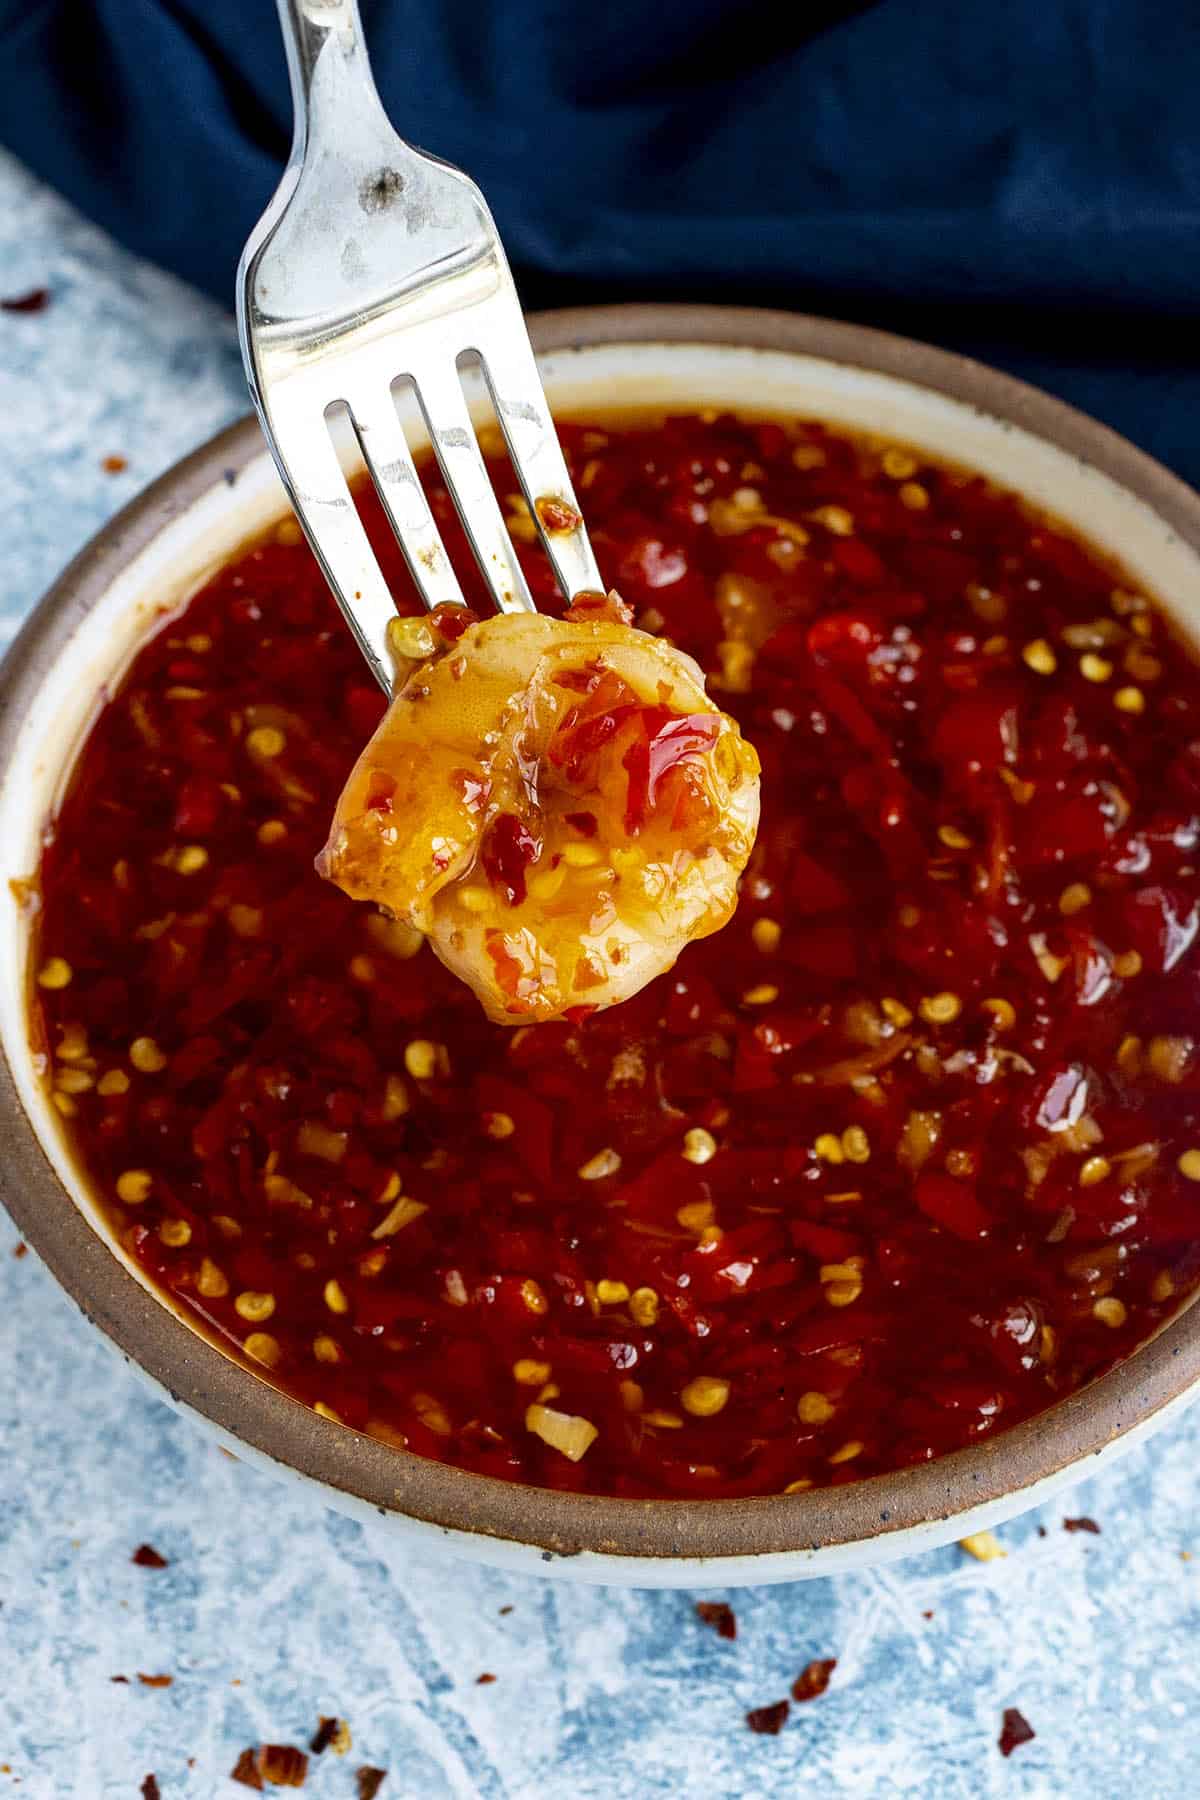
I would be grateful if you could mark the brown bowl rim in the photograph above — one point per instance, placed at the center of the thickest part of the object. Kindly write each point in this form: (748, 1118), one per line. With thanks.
(199, 1375)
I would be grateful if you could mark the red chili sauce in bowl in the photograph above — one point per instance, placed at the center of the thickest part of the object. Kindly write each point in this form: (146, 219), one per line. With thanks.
(907, 1152)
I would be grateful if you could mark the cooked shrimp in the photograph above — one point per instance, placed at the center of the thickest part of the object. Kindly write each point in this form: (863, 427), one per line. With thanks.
(556, 804)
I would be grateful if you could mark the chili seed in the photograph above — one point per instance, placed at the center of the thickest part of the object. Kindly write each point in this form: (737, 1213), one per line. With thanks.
(326, 1349)
(1095, 668)
(763, 994)
(699, 1146)
(530, 1373)
(848, 1452)
(535, 1300)
(1110, 1311)
(1189, 1165)
(1074, 898)
(263, 1348)
(253, 1306)
(55, 972)
(705, 1395)
(612, 1293)
(146, 1056)
(940, 1009)
(815, 1408)
(113, 1081)
(134, 1185)
(1094, 1170)
(599, 1167)
(856, 1144)
(211, 1281)
(335, 1296)
(643, 1306)
(420, 1059)
(266, 742)
(1040, 657)
(766, 935)
(175, 1233)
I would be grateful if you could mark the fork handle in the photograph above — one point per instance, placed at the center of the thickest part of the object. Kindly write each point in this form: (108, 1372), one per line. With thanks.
(307, 27)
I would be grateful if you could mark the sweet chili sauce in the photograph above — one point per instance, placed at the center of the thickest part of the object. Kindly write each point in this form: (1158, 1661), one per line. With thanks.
(908, 1151)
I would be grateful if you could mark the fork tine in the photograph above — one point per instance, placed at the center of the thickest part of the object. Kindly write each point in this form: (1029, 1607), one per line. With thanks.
(512, 376)
(456, 447)
(391, 467)
(307, 461)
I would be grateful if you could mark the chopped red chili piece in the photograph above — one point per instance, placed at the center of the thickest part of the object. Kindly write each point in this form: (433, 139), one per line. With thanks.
(113, 465)
(20, 1251)
(246, 1771)
(939, 1069)
(1081, 1525)
(147, 1557)
(36, 300)
(813, 1679)
(150, 1788)
(1015, 1730)
(155, 1681)
(769, 1721)
(370, 1781)
(719, 1615)
(508, 850)
(123, 1679)
(484, 1680)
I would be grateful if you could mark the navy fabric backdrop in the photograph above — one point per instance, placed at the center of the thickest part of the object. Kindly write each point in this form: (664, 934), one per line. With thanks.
(1020, 180)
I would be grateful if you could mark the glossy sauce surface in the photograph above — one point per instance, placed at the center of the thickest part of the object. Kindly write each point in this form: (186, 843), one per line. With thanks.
(907, 1151)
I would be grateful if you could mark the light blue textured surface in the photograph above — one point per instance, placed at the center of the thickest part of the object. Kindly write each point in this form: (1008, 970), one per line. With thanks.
(272, 1612)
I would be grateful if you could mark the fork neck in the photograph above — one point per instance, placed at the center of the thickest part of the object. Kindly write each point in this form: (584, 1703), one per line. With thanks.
(312, 28)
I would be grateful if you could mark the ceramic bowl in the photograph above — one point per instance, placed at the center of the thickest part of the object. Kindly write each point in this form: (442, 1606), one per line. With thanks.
(159, 550)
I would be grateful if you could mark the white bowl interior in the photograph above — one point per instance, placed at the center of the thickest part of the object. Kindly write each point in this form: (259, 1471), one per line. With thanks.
(583, 381)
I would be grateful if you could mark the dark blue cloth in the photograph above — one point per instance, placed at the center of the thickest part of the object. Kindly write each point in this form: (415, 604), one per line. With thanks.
(1020, 180)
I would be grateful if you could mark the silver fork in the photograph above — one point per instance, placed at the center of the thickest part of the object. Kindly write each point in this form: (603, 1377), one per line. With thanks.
(373, 263)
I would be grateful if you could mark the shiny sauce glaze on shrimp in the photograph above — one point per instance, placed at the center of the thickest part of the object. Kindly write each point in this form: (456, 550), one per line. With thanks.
(555, 803)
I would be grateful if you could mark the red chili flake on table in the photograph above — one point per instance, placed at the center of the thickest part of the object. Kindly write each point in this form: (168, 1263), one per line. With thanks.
(370, 1781)
(769, 1721)
(1015, 1730)
(147, 1557)
(35, 301)
(150, 1788)
(20, 1251)
(245, 1770)
(155, 1681)
(813, 1679)
(484, 1680)
(323, 1736)
(904, 1154)
(281, 1765)
(113, 465)
(123, 1679)
(1081, 1525)
(719, 1615)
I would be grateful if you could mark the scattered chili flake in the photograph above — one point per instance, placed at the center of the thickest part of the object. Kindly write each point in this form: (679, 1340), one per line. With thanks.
(147, 1557)
(813, 1679)
(323, 1736)
(1015, 1730)
(370, 1781)
(1081, 1525)
(113, 465)
(281, 1764)
(20, 1250)
(36, 300)
(245, 1770)
(927, 1615)
(504, 1611)
(123, 1679)
(155, 1681)
(721, 1617)
(769, 1721)
(483, 1680)
(151, 1789)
